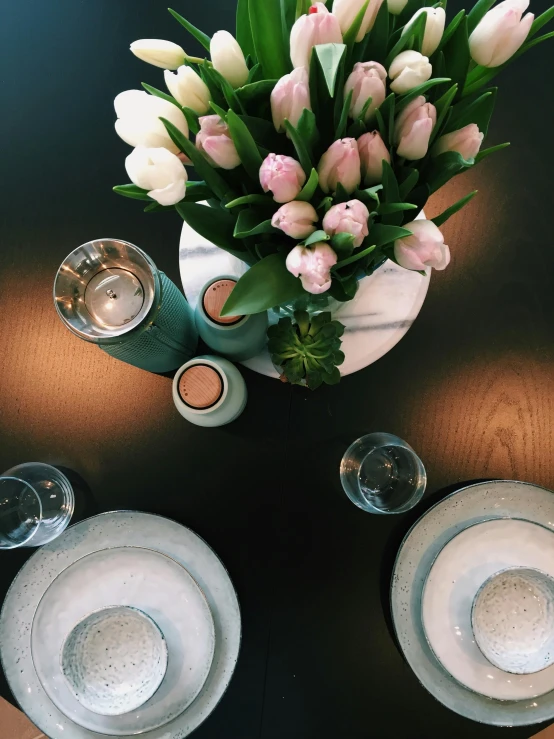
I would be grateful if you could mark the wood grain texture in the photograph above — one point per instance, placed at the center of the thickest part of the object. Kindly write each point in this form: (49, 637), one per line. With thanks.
(215, 298)
(200, 386)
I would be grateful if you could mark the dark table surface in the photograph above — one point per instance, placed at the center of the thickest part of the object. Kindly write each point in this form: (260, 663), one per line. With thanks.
(471, 386)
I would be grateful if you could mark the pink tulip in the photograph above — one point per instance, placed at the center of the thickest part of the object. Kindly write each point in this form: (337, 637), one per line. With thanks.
(425, 248)
(289, 98)
(372, 153)
(296, 219)
(466, 141)
(347, 10)
(367, 80)
(318, 27)
(215, 142)
(340, 164)
(351, 217)
(500, 33)
(313, 265)
(413, 128)
(283, 176)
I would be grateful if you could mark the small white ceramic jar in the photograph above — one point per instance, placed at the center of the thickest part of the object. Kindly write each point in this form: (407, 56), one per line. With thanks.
(209, 391)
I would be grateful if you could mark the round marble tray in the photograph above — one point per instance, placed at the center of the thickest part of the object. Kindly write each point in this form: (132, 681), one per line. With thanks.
(386, 305)
(118, 529)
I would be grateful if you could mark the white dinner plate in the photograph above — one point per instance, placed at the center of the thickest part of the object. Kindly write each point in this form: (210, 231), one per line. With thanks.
(422, 544)
(109, 530)
(156, 585)
(464, 564)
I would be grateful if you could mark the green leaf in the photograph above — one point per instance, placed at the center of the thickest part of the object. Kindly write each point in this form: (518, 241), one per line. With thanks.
(403, 100)
(456, 54)
(387, 208)
(355, 257)
(449, 30)
(245, 145)
(288, 18)
(132, 191)
(266, 284)
(350, 36)
(491, 150)
(271, 51)
(535, 42)
(216, 96)
(229, 93)
(380, 234)
(309, 188)
(197, 191)
(479, 111)
(152, 207)
(307, 130)
(477, 13)
(219, 111)
(391, 193)
(541, 21)
(256, 91)
(249, 224)
(379, 35)
(263, 132)
(254, 74)
(244, 33)
(315, 237)
(331, 378)
(343, 244)
(197, 33)
(215, 225)
(215, 181)
(442, 107)
(252, 200)
(407, 185)
(301, 150)
(409, 39)
(330, 57)
(369, 194)
(445, 215)
(159, 94)
(192, 119)
(444, 167)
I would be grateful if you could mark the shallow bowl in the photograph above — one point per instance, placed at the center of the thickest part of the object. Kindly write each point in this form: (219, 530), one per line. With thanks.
(114, 660)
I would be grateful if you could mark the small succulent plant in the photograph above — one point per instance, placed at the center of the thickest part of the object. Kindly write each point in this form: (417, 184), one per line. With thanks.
(308, 349)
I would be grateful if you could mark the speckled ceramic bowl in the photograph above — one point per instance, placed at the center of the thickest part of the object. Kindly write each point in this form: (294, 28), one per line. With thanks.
(114, 660)
(513, 620)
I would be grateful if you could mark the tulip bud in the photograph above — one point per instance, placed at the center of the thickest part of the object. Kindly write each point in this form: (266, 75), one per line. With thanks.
(158, 171)
(395, 7)
(313, 265)
(500, 33)
(367, 80)
(188, 89)
(228, 59)
(296, 219)
(408, 70)
(372, 153)
(215, 142)
(347, 10)
(289, 98)
(413, 128)
(425, 248)
(351, 217)
(318, 27)
(466, 141)
(164, 54)
(340, 164)
(138, 120)
(434, 28)
(283, 176)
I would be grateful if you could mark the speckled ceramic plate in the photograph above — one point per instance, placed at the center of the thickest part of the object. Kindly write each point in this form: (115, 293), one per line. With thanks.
(119, 529)
(422, 544)
(159, 587)
(465, 563)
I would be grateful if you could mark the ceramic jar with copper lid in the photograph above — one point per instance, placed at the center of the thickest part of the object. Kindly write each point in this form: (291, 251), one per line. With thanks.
(236, 337)
(209, 391)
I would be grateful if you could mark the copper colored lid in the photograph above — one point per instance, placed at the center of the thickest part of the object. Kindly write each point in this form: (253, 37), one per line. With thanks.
(215, 298)
(200, 386)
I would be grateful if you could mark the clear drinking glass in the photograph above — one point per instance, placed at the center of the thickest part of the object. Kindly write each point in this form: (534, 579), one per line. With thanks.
(380, 473)
(36, 505)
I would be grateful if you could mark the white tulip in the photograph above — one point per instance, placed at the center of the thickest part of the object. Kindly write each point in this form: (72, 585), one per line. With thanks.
(434, 28)
(188, 89)
(158, 171)
(396, 6)
(138, 120)
(408, 70)
(228, 59)
(500, 33)
(347, 10)
(164, 54)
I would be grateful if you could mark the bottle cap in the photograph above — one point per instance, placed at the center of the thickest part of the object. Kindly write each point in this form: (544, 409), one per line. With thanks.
(215, 298)
(200, 386)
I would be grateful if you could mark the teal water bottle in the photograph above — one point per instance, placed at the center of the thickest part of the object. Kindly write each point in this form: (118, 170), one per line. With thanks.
(236, 337)
(111, 293)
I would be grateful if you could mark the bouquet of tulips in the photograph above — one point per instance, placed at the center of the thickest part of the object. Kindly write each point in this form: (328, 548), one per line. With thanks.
(319, 134)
